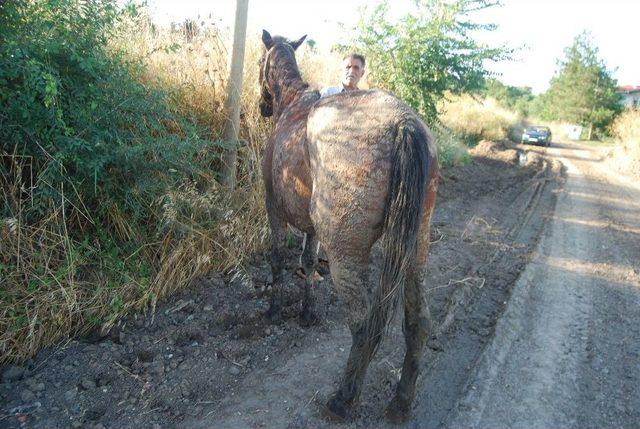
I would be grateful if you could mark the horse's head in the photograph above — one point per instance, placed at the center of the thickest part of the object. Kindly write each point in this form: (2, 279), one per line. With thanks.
(274, 47)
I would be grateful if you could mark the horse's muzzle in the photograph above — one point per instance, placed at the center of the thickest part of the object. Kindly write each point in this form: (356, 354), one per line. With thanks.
(266, 110)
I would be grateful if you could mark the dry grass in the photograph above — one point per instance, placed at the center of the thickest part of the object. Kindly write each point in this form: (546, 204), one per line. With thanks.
(626, 153)
(474, 120)
(50, 286)
(627, 128)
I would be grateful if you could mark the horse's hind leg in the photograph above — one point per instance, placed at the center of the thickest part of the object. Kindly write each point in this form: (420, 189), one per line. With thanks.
(309, 264)
(350, 276)
(416, 328)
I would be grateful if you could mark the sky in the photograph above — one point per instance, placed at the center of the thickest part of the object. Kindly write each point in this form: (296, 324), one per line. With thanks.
(539, 29)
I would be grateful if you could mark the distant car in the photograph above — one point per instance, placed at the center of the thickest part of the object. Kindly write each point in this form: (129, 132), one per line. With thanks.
(537, 135)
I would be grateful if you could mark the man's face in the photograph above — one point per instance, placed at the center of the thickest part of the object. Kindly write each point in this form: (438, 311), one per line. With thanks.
(353, 71)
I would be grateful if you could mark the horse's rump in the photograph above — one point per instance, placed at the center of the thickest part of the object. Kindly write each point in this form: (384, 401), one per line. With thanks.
(350, 138)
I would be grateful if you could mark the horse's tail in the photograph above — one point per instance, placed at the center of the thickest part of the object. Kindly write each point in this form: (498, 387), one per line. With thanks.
(402, 219)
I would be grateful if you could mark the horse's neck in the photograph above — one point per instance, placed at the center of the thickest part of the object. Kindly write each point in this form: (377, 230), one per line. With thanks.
(290, 88)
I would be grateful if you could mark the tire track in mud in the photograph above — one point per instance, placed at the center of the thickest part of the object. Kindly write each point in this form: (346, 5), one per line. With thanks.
(447, 373)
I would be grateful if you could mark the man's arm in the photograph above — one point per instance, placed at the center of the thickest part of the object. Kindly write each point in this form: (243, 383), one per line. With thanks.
(330, 90)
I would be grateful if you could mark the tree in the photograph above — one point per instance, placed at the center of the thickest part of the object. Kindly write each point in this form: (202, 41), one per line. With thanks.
(428, 52)
(518, 99)
(582, 91)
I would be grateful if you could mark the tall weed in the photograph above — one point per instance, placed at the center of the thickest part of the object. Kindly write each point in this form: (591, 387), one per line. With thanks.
(626, 153)
(474, 119)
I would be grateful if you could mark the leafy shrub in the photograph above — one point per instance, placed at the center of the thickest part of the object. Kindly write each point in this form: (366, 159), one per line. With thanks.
(89, 158)
(75, 108)
(428, 52)
(517, 99)
(451, 150)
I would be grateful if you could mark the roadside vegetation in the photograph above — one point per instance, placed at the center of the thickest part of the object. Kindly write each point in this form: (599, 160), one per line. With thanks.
(109, 138)
(473, 119)
(626, 152)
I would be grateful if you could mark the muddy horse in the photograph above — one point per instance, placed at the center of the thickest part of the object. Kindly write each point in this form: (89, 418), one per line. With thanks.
(348, 170)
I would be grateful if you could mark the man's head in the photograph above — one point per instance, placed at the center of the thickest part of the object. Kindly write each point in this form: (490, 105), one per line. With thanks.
(353, 70)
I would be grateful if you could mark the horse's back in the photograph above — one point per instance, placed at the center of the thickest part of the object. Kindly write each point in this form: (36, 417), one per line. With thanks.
(359, 127)
(350, 139)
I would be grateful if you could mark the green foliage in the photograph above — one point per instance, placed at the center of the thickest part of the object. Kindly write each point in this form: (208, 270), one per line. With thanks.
(100, 141)
(88, 155)
(451, 150)
(582, 90)
(428, 52)
(517, 99)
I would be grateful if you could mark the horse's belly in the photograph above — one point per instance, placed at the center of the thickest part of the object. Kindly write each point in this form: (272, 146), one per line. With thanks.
(350, 191)
(292, 189)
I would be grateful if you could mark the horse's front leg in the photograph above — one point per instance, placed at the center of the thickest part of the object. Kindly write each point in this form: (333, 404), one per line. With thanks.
(309, 266)
(278, 231)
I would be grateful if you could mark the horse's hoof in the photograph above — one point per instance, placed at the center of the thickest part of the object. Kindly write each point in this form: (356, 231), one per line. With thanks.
(335, 410)
(308, 318)
(397, 412)
(273, 315)
(323, 267)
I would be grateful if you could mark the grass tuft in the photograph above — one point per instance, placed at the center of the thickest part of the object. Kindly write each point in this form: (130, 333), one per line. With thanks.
(626, 152)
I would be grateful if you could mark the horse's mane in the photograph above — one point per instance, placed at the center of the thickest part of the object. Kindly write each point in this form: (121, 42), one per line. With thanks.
(288, 66)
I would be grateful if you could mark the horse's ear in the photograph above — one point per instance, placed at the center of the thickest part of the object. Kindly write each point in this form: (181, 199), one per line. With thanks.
(266, 39)
(298, 42)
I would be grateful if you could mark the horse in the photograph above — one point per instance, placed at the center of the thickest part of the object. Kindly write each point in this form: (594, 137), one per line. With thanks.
(349, 170)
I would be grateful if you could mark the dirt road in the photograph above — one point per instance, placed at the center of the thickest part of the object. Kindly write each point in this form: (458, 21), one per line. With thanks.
(566, 352)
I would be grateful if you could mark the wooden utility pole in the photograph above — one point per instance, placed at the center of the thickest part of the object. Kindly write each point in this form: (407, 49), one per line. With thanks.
(234, 90)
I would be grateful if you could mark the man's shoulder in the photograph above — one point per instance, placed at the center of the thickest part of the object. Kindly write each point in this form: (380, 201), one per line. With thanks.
(330, 90)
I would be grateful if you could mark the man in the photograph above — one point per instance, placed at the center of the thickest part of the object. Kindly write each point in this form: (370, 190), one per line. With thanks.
(353, 71)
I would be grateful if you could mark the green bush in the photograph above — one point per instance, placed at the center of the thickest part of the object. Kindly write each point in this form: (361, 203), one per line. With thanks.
(74, 107)
(428, 52)
(89, 159)
(517, 99)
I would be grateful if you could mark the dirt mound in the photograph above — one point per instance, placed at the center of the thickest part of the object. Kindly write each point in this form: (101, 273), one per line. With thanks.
(499, 151)
(208, 357)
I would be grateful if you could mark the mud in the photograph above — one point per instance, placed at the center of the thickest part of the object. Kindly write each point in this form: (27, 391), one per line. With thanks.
(208, 357)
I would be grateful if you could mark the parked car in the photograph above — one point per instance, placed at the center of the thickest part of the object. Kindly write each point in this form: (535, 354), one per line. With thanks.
(537, 134)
